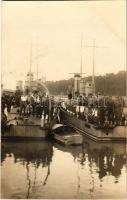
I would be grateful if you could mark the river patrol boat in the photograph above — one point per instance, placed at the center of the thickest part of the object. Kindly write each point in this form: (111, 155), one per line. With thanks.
(99, 118)
(96, 133)
(23, 124)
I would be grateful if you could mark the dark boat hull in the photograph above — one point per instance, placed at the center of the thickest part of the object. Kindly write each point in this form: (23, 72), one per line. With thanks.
(117, 133)
(23, 128)
(24, 132)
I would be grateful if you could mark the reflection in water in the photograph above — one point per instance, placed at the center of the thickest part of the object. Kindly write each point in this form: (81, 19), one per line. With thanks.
(45, 178)
(92, 180)
(109, 158)
(29, 181)
(48, 173)
(37, 153)
(27, 154)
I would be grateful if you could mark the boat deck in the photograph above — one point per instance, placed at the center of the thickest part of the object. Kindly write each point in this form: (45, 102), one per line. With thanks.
(119, 133)
(31, 120)
(23, 128)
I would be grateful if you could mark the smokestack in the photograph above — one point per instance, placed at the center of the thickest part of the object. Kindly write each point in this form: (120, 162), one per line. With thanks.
(77, 79)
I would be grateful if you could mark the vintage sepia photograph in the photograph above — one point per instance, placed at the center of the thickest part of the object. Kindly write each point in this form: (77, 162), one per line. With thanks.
(63, 99)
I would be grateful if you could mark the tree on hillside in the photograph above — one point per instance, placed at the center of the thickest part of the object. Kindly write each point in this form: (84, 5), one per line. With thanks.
(109, 84)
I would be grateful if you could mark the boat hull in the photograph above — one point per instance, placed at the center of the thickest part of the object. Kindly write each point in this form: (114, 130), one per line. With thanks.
(24, 132)
(66, 135)
(117, 133)
(69, 140)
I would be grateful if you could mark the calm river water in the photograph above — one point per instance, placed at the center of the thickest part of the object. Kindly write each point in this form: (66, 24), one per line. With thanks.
(39, 170)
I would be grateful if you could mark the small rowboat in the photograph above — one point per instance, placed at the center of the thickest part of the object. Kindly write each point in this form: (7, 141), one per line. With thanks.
(66, 135)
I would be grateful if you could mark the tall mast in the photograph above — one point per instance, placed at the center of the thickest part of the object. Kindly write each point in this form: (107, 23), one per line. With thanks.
(81, 63)
(30, 65)
(93, 73)
(126, 82)
(37, 68)
(81, 57)
(93, 70)
(37, 63)
(30, 57)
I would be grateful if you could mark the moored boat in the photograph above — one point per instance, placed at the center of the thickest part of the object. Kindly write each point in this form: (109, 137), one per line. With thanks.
(66, 135)
(28, 115)
(99, 117)
(105, 134)
(23, 128)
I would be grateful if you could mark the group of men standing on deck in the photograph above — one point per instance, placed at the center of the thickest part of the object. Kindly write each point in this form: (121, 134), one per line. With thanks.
(101, 111)
(30, 104)
(7, 101)
(37, 105)
(96, 110)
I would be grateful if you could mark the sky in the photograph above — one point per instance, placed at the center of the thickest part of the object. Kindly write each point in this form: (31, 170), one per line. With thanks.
(55, 30)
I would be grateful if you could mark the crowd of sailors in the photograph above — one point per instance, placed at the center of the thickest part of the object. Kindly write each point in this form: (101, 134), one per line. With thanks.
(100, 110)
(97, 110)
(31, 104)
